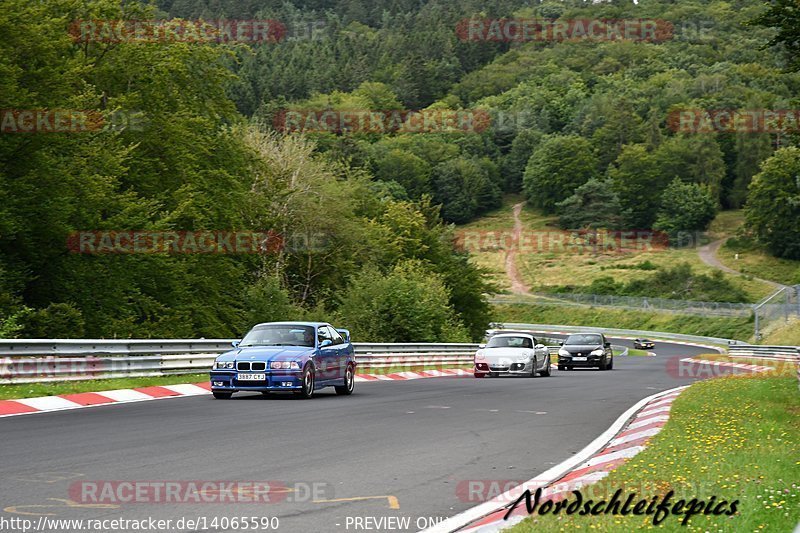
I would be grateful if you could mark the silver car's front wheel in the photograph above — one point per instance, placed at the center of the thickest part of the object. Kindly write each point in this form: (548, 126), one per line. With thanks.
(534, 372)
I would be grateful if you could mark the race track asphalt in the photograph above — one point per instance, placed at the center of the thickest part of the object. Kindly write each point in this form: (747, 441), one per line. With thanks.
(408, 444)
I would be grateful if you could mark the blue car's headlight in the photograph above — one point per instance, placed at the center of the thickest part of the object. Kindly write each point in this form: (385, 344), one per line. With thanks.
(284, 365)
(223, 365)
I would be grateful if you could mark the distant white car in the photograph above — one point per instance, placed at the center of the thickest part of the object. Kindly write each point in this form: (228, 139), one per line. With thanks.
(513, 354)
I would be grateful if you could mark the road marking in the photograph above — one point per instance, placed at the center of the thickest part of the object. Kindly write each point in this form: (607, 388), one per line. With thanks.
(437, 407)
(64, 503)
(394, 503)
(49, 477)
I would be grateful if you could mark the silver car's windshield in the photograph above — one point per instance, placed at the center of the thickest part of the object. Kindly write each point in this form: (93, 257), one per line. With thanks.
(510, 342)
(583, 339)
(279, 336)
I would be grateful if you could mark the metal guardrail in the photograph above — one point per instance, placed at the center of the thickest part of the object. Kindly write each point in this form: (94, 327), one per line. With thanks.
(67, 347)
(774, 352)
(42, 360)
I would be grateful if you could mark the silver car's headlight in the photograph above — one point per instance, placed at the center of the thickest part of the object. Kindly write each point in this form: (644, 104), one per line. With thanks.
(562, 351)
(598, 351)
(525, 356)
(223, 365)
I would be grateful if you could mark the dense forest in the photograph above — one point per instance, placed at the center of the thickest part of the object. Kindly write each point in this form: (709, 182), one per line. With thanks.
(365, 218)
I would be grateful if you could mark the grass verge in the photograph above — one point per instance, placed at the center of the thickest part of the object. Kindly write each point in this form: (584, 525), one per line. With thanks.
(734, 438)
(633, 351)
(754, 260)
(728, 328)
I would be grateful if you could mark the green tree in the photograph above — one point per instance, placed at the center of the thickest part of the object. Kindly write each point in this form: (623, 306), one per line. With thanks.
(513, 164)
(637, 182)
(593, 205)
(693, 159)
(785, 16)
(685, 207)
(407, 169)
(773, 204)
(559, 165)
(464, 187)
(409, 303)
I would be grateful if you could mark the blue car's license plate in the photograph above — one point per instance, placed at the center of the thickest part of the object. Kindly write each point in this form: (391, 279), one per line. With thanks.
(252, 377)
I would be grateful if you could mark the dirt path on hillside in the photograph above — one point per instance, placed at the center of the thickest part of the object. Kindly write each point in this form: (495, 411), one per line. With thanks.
(517, 285)
(708, 255)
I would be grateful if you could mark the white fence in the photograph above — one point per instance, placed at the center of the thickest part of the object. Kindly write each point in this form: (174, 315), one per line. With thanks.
(42, 360)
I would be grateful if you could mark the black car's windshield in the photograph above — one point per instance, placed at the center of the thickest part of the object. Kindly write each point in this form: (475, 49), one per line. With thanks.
(583, 340)
(509, 342)
(279, 336)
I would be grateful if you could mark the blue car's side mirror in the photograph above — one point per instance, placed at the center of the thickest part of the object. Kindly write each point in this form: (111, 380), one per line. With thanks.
(326, 342)
(235, 344)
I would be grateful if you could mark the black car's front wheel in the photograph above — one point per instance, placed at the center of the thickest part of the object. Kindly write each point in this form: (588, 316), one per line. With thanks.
(349, 383)
(307, 390)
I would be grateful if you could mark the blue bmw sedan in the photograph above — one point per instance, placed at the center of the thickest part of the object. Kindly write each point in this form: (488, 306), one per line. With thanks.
(299, 357)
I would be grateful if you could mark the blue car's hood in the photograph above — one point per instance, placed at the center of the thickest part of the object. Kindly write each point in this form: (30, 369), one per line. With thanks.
(266, 353)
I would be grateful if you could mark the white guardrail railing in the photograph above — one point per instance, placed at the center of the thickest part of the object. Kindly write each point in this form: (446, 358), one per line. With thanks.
(550, 328)
(42, 360)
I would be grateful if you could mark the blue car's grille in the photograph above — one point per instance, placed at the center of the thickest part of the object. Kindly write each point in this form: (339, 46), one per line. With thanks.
(247, 365)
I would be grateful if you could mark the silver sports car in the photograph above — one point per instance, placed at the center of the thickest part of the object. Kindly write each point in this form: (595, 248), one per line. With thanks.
(513, 354)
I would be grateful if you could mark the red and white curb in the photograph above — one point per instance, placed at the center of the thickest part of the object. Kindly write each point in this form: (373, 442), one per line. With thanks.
(625, 438)
(64, 402)
(402, 376)
(27, 406)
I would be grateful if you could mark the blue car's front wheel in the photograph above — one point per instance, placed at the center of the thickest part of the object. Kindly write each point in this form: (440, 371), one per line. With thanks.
(349, 382)
(308, 383)
(222, 395)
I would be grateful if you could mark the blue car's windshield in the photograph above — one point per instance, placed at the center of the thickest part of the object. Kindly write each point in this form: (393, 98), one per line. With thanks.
(269, 335)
